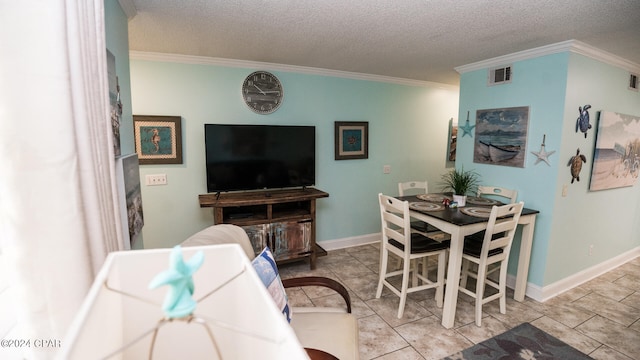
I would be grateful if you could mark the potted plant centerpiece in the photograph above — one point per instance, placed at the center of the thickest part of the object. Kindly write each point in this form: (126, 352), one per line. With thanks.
(462, 183)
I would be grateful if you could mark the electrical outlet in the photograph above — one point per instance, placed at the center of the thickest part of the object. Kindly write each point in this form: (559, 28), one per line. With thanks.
(590, 250)
(156, 179)
(564, 190)
(386, 169)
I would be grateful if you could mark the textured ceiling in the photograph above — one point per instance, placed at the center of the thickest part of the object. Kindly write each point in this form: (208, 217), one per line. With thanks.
(411, 39)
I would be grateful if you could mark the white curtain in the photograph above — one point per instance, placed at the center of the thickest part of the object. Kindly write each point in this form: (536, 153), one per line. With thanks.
(58, 199)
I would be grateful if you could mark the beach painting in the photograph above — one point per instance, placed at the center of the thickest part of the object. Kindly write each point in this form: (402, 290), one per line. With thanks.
(616, 159)
(501, 136)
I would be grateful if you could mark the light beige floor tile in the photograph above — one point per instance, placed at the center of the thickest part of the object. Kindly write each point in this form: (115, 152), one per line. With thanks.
(297, 297)
(477, 334)
(567, 334)
(363, 286)
(632, 300)
(610, 309)
(606, 353)
(616, 292)
(612, 334)
(431, 340)
(568, 315)
(387, 308)
(351, 269)
(630, 281)
(516, 314)
(377, 338)
(407, 353)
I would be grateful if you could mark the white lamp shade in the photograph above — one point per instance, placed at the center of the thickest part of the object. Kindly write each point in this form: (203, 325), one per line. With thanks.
(120, 309)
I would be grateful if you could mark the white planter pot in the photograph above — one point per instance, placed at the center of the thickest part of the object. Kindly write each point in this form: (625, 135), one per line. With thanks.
(460, 199)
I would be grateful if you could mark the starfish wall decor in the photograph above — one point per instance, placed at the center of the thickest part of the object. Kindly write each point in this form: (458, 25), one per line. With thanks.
(467, 128)
(543, 155)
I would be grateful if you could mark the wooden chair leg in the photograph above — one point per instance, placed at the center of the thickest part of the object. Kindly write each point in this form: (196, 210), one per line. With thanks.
(482, 274)
(464, 274)
(405, 286)
(383, 272)
(502, 284)
(441, 270)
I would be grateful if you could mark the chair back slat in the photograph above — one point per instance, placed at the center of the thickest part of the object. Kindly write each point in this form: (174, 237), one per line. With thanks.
(415, 187)
(395, 219)
(503, 220)
(508, 194)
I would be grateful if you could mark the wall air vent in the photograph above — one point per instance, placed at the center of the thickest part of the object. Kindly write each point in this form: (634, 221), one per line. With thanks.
(633, 82)
(500, 75)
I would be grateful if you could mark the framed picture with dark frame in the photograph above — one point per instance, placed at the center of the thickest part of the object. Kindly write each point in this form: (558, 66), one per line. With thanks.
(352, 140)
(158, 139)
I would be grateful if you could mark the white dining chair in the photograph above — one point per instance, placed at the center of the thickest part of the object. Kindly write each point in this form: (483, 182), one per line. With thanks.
(494, 249)
(416, 188)
(508, 194)
(398, 239)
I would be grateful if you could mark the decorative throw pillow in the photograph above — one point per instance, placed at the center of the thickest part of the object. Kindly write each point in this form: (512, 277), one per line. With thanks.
(265, 266)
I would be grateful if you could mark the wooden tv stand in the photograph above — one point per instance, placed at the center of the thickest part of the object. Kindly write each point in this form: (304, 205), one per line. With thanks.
(284, 220)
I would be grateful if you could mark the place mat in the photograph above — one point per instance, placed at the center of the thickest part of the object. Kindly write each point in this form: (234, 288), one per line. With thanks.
(482, 201)
(433, 197)
(425, 206)
(482, 212)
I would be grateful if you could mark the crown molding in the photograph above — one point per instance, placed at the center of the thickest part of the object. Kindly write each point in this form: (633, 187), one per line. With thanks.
(129, 8)
(204, 60)
(573, 46)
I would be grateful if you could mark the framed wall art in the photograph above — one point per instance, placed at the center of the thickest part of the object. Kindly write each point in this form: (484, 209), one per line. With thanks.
(158, 139)
(352, 140)
(501, 136)
(616, 159)
(114, 102)
(452, 141)
(130, 198)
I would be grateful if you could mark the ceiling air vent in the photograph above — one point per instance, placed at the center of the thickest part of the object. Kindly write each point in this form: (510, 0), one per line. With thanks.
(633, 82)
(500, 75)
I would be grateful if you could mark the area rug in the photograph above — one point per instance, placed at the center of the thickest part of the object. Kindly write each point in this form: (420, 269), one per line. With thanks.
(522, 342)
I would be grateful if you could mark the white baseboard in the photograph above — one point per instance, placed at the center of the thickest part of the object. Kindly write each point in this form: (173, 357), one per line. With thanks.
(533, 291)
(552, 290)
(350, 241)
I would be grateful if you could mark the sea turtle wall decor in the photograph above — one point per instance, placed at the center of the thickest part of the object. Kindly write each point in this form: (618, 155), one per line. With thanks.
(575, 164)
(582, 123)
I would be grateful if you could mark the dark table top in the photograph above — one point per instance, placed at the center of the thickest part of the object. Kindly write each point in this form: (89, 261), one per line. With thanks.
(454, 215)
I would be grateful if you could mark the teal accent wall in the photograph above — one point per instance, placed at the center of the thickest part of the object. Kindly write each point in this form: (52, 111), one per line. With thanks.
(554, 86)
(408, 129)
(606, 219)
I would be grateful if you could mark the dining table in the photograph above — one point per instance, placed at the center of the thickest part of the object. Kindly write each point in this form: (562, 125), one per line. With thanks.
(459, 222)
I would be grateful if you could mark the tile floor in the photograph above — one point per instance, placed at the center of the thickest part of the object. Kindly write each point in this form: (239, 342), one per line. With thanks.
(601, 318)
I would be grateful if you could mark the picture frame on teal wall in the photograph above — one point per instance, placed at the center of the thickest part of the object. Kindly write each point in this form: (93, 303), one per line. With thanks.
(158, 139)
(351, 140)
(501, 136)
(616, 158)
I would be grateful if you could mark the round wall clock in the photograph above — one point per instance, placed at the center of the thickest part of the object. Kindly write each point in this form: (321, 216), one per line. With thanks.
(262, 92)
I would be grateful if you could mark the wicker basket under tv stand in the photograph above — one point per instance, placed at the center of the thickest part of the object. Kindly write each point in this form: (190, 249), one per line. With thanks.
(271, 209)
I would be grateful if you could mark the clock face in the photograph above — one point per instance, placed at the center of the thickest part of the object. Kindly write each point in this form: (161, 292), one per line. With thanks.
(262, 92)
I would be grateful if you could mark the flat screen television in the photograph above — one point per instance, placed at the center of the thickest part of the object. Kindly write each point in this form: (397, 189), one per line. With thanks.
(252, 157)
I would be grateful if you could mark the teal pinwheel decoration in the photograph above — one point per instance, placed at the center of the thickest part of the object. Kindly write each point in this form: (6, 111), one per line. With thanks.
(179, 302)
